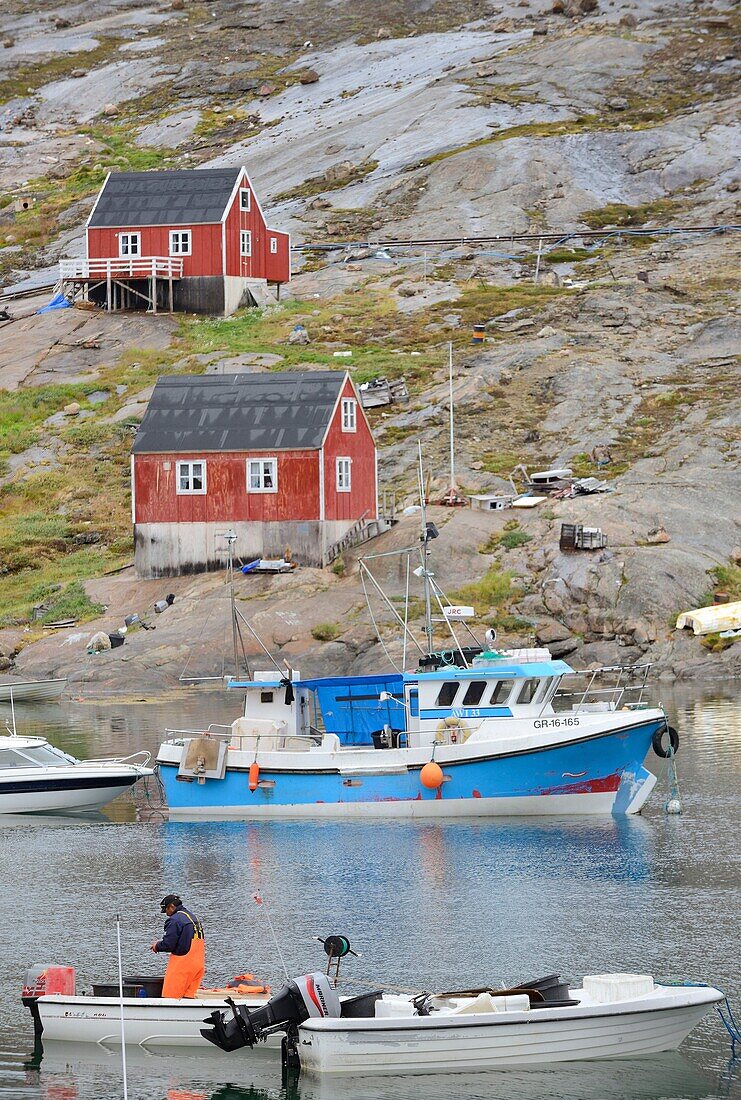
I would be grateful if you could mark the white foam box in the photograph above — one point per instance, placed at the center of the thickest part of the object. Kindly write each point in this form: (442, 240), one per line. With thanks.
(606, 989)
(389, 1007)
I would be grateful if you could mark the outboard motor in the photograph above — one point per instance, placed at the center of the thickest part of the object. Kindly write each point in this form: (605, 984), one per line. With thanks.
(309, 997)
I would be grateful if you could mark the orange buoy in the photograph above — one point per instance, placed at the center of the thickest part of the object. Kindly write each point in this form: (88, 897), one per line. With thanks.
(431, 775)
(254, 775)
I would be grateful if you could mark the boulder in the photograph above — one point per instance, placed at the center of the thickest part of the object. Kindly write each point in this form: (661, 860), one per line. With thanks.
(5, 663)
(565, 648)
(72, 409)
(298, 335)
(110, 110)
(618, 104)
(657, 535)
(549, 632)
(383, 32)
(309, 76)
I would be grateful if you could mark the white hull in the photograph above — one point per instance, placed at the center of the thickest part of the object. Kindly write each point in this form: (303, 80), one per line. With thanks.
(527, 806)
(477, 1043)
(148, 1021)
(31, 691)
(66, 801)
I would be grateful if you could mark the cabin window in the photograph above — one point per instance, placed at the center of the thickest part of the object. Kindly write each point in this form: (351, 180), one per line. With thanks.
(129, 244)
(349, 414)
(474, 693)
(180, 242)
(447, 693)
(245, 199)
(501, 692)
(543, 690)
(266, 696)
(344, 475)
(274, 245)
(191, 477)
(528, 690)
(262, 475)
(11, 759)
(245, 242)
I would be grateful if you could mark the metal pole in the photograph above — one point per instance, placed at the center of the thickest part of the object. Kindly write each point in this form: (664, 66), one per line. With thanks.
(537, 262)
(231, 538)
(12, 713)
(425, 553)
(452, 437)
(121, 1002)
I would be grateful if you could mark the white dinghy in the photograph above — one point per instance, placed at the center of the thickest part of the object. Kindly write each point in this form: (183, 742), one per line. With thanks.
(535, 1024)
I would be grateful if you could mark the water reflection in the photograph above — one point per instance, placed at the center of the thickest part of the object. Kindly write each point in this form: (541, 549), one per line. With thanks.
(257, 1076)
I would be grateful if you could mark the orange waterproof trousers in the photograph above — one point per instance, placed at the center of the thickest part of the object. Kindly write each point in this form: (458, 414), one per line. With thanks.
(185, 973)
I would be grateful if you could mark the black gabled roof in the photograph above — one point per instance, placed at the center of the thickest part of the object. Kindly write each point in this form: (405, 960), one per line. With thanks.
(285, 410)
(185, 197)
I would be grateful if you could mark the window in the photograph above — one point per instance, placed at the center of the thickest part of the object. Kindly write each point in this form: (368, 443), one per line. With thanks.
(501, 692)
(180, 242)
(245, 243)
(447, 693)
(191, 477)
(344, 479)
(129, 244)
(474, 693)
(266, 696)
(349, 414)
(244, 198)
(10, 759)
(527, 691)
(262, 475)
(273, 245)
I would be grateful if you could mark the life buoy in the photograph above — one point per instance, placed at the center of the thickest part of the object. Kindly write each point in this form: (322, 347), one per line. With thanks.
(447, 726)
(254, 776)
(657, 742)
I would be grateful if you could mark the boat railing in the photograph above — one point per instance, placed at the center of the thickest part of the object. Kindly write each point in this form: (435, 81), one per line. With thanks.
(626, 690)
(139, 759)
(208, 732)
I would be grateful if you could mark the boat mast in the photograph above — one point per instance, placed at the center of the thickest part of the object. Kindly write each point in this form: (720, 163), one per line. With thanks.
(453, 487)
(425, 540)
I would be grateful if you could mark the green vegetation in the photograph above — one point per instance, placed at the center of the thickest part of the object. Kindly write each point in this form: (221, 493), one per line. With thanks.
(27, 78)
(617, 213)
(715, 644)
(507, 539)
(72, 602)
(325, 632)
(727, 580)
(494, 590)
(329, 181)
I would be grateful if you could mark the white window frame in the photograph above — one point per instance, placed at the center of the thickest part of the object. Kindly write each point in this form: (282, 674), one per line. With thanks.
(262, 463)
(187, 465)
(273, 246)
(176, 242)
(129, 238)
(245, 207)
(349, 414)
(343, 475)
(245, 236)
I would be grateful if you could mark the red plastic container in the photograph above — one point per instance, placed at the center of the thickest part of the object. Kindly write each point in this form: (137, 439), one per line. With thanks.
(41, 980)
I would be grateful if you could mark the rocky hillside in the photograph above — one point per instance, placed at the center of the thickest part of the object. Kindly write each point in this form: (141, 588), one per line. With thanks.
(446, 120)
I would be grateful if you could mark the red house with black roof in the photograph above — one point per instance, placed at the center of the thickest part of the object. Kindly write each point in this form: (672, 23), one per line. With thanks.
(193, 239)
(281, 459)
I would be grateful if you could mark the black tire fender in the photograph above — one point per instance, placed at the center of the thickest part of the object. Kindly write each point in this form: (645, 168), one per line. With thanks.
(657, 742)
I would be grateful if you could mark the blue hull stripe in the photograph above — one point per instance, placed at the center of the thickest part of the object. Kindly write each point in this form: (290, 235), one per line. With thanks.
(466, 712)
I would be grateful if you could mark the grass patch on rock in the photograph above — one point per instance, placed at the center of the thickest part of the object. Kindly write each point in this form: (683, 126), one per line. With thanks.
(325, 632)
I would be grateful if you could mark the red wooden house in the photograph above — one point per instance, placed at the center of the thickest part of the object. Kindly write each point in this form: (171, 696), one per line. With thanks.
(193, 240)
(281, 459)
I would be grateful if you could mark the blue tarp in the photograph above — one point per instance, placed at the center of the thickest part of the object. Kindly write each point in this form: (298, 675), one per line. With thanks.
(59, 301)
(351, 707)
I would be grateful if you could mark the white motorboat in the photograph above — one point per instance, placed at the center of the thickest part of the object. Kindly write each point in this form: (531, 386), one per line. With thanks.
(609, 1016)
(36, 777)
(150, 1020)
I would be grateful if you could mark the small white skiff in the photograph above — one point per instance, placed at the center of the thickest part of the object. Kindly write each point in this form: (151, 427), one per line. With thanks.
(610, 1016)
(30, 691)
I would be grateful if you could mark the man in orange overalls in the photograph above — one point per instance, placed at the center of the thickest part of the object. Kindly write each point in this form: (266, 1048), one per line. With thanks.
(183, 939)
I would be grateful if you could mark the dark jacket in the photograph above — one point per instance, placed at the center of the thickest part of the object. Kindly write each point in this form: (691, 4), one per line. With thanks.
(180, 929)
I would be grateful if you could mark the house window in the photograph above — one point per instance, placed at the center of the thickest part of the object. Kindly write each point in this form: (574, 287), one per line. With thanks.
(244, 198)
(262, 475)
(129, 244)
(349, 416)
(180, 242)
(191, 477)
(273, 245)
(344, 480)
(245, 243)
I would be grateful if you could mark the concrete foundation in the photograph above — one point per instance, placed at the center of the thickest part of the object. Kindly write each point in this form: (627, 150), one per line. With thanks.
(215, 295)
(171, 549)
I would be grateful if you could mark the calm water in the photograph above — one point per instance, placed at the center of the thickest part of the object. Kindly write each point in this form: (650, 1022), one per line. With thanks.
(428, 905)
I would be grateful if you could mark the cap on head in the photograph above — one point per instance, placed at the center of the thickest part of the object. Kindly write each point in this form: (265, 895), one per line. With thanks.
(170, 899)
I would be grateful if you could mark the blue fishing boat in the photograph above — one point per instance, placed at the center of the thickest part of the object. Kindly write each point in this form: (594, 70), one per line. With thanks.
(499, 737)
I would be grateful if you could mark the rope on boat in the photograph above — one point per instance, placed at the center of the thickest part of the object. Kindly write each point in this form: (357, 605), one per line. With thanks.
(727, 1018)
(673, 803)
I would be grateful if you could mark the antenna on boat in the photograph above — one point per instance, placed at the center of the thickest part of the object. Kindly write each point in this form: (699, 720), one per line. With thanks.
(429, 531)
(121, 1002)
(14, 731)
